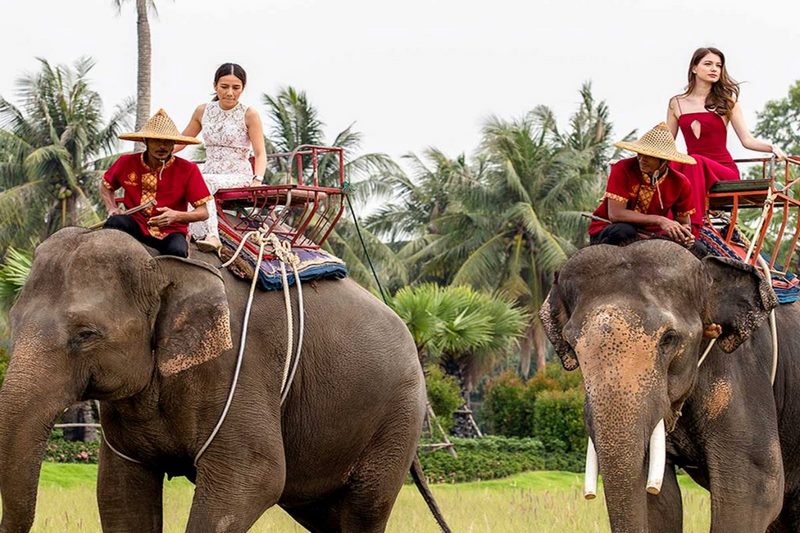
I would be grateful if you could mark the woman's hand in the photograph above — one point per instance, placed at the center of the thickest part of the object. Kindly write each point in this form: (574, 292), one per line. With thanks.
(780, 155)
(256, 182)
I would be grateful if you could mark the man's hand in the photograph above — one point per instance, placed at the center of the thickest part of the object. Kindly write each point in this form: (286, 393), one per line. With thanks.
(166, 217)
(677, 231)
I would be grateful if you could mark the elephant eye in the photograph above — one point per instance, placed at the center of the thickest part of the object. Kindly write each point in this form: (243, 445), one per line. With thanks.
(83, 337)
(669, 340)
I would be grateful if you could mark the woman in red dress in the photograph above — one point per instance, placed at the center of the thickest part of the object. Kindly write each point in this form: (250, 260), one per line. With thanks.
(702, 113)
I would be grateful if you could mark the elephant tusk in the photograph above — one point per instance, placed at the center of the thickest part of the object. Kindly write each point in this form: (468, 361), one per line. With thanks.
(590, 475)
(658, 458)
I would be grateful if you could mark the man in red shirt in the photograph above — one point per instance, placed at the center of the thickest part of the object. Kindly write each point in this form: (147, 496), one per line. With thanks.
(156, 175)
(644, 196)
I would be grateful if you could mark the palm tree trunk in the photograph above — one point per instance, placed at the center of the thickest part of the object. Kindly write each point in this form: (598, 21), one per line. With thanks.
(526, 351)
(143, 72)
(540, 345)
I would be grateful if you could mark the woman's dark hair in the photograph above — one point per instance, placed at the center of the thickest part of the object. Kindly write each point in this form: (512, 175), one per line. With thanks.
(230, 69)
(724, 92)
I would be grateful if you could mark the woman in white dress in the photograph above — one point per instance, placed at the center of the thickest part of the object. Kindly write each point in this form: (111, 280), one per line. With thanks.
(230, 131)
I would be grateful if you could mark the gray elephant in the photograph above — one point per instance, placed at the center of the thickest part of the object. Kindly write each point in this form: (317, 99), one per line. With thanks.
(152, 339)
(633, 318)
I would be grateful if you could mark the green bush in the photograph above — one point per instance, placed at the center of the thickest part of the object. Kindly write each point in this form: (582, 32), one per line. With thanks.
(506, 407)
(65, 451)
(558, 415)
(549, 407)
(444, 394)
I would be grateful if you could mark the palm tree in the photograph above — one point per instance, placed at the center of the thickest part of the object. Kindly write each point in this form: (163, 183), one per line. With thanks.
(144, 52)
(295, 122)
(52, 151)
(464, 331)
(516, 222)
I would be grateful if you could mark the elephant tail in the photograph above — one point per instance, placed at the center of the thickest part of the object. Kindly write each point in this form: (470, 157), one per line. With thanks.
(422, 486)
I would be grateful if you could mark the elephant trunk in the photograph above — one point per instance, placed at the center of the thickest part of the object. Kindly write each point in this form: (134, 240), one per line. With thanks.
(30, 401)
(621, 461)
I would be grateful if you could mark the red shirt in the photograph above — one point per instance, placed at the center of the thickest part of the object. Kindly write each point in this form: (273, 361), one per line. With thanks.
(179, 184)
(626, 183)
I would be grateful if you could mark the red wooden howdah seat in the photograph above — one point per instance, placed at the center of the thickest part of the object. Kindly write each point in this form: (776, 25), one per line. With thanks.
(777, 195)
(299, 210)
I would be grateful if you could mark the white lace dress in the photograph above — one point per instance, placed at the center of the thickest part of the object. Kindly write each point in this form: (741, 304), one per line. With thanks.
(227, 158)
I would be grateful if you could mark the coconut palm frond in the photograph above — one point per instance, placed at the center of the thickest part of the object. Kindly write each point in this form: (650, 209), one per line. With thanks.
(13, 274)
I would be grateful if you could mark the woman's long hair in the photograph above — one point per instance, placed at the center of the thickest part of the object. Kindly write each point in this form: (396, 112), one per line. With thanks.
(229, 69)
(724, 92)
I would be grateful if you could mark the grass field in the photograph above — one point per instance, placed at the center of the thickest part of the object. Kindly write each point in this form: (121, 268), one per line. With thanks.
(533, 501)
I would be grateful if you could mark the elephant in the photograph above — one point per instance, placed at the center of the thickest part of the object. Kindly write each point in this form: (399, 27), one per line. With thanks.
(155, 341)
(633, 319)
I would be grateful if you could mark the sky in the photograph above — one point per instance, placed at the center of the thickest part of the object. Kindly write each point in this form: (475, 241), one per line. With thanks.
(417, 73)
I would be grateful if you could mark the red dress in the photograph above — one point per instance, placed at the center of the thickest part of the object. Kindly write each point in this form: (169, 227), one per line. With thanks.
(709, 148)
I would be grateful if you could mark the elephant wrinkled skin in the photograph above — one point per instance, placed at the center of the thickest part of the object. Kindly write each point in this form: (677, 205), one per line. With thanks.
(151, 338)
(633, 319)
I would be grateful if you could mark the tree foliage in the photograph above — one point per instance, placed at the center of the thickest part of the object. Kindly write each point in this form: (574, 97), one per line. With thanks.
(53, 148)
(780, 121)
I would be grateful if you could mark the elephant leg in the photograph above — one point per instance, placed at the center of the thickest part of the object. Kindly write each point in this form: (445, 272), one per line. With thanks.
(746, 486)
(789, 519)
(129, 495)
(665, 511)
(318, 517)
(370, 493)
(234, 487)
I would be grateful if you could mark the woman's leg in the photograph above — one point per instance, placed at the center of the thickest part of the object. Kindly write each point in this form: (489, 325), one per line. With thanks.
(207, 230)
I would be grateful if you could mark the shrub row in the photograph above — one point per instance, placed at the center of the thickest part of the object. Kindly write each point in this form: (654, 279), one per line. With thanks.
(495, 457)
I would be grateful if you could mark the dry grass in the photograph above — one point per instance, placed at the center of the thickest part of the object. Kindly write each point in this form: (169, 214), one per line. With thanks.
(534, 501)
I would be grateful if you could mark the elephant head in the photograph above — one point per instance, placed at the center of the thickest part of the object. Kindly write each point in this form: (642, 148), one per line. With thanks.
(633, 319)
(98, 318)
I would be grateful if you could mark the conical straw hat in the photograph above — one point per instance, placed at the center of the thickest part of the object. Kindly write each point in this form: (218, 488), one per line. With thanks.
(160, 126)
(659, 143)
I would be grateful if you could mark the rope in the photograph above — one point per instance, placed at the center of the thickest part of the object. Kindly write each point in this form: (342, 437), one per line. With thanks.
(772, 324)
(108, 442)
(705, 353)
(242, 342)
(283, 251)
(363, 245)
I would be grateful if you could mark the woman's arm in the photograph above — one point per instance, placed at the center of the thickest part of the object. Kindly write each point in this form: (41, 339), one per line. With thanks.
(672, 117)
(747, 139)
(256, 133)
(194, 127)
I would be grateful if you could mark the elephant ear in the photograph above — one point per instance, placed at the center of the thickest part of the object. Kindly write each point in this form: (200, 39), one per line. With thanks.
(553, 316)
(193, 322)
(739, 299)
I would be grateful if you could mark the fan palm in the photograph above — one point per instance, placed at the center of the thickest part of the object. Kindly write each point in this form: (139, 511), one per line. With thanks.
(295, 122)
(463, 330)
(52, 151)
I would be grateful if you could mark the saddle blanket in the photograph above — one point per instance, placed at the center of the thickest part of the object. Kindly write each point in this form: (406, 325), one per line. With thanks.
(314, 265)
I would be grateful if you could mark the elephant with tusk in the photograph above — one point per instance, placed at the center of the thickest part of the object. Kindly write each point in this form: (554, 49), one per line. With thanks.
(634, 319)
(155, 340)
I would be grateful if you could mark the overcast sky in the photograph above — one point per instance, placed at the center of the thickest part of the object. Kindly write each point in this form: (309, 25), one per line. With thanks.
(417, 73)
